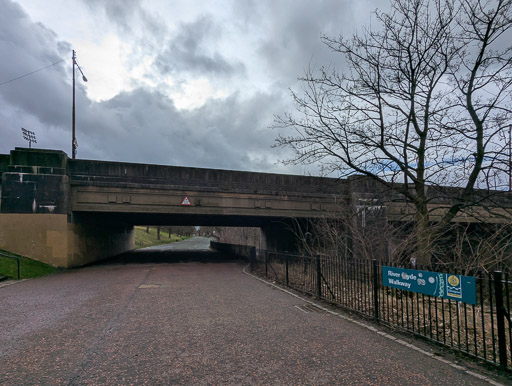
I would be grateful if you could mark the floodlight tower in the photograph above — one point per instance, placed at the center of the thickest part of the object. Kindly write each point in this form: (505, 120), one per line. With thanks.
(74, 143)
(29, 136)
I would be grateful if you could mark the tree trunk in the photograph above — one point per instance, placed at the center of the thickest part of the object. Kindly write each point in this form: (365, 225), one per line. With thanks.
(423, 236)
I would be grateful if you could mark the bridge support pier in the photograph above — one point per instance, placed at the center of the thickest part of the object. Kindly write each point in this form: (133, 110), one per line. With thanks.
(279, 236)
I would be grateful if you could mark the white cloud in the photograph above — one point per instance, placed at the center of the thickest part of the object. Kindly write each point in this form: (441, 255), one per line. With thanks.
(103, 63)
(195, 93)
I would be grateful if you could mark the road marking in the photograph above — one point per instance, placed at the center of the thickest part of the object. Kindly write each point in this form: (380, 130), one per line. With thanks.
(11, 282)
(299, 308)
(376, 330)
(309, 308)
(145, 286)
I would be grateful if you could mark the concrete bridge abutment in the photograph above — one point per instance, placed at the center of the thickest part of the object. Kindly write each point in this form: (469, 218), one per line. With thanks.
(36, 218)
(281, 236)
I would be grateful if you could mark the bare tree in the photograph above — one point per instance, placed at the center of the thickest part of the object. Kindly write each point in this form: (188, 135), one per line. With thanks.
(425, 99)
(239, 235)
(360, 233)
(476, 248)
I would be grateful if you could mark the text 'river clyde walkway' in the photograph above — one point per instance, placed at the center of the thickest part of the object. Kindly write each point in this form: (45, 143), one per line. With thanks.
(197, 322)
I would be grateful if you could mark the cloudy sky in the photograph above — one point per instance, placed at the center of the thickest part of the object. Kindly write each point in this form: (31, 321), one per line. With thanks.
(176, 82)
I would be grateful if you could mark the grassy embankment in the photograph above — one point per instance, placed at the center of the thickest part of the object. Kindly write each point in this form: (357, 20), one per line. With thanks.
(144, 239)
(28, 268)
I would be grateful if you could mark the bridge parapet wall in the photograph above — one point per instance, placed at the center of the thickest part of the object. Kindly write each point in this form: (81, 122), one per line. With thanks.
(484, 205)
(101, 173)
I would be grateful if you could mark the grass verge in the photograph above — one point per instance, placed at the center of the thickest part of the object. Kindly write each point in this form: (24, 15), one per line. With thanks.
(28, 268)
(145, 239)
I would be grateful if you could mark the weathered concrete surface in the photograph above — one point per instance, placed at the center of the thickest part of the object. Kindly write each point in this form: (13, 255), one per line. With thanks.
(41, 235)
(35, 181)
(189, 323)
(36, 218)
(53, 239)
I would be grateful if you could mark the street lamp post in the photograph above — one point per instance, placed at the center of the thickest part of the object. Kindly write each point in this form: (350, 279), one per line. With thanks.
(74, 143)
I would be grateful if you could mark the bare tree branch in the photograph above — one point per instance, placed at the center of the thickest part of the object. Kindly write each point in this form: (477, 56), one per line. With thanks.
(425, 100)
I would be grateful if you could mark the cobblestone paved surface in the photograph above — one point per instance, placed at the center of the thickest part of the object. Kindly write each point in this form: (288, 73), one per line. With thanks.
(189, 323)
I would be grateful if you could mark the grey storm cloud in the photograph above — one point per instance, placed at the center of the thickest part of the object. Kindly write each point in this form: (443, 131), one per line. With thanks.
(144, 125)
(292, 31)
(139, 126)
(126, 14)
(189, 51)
(41, 98)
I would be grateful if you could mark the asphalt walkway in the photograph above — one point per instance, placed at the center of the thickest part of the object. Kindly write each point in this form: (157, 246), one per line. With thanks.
(190, 323)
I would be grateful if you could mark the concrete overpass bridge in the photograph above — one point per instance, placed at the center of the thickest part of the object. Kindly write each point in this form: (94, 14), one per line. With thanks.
(72, 212)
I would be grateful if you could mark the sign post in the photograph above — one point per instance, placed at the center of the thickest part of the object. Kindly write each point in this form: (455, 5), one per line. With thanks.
(444, 285)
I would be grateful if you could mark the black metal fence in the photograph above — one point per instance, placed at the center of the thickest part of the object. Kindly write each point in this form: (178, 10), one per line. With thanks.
(483, 330)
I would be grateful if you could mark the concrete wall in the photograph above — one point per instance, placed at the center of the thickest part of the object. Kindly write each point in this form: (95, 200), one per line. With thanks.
(35, 182)
(279, 236)
(50, 238)
(234, 250)
(124, 174)
(43, 237)
(36, 219)
(93, 239)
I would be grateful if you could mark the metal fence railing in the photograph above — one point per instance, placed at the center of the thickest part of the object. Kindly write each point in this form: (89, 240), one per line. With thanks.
(482, 330)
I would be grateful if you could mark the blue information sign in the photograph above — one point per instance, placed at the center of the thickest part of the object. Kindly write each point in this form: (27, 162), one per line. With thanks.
(444, 285)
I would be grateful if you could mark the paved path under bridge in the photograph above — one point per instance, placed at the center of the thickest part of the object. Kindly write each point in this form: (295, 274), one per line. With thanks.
(193, 322)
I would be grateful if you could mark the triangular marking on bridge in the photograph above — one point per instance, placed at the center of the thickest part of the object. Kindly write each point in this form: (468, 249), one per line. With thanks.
(186, 201)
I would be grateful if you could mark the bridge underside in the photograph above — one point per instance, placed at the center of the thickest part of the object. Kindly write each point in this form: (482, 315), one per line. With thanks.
(277, 233)
(165, 219)
(81, 238)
